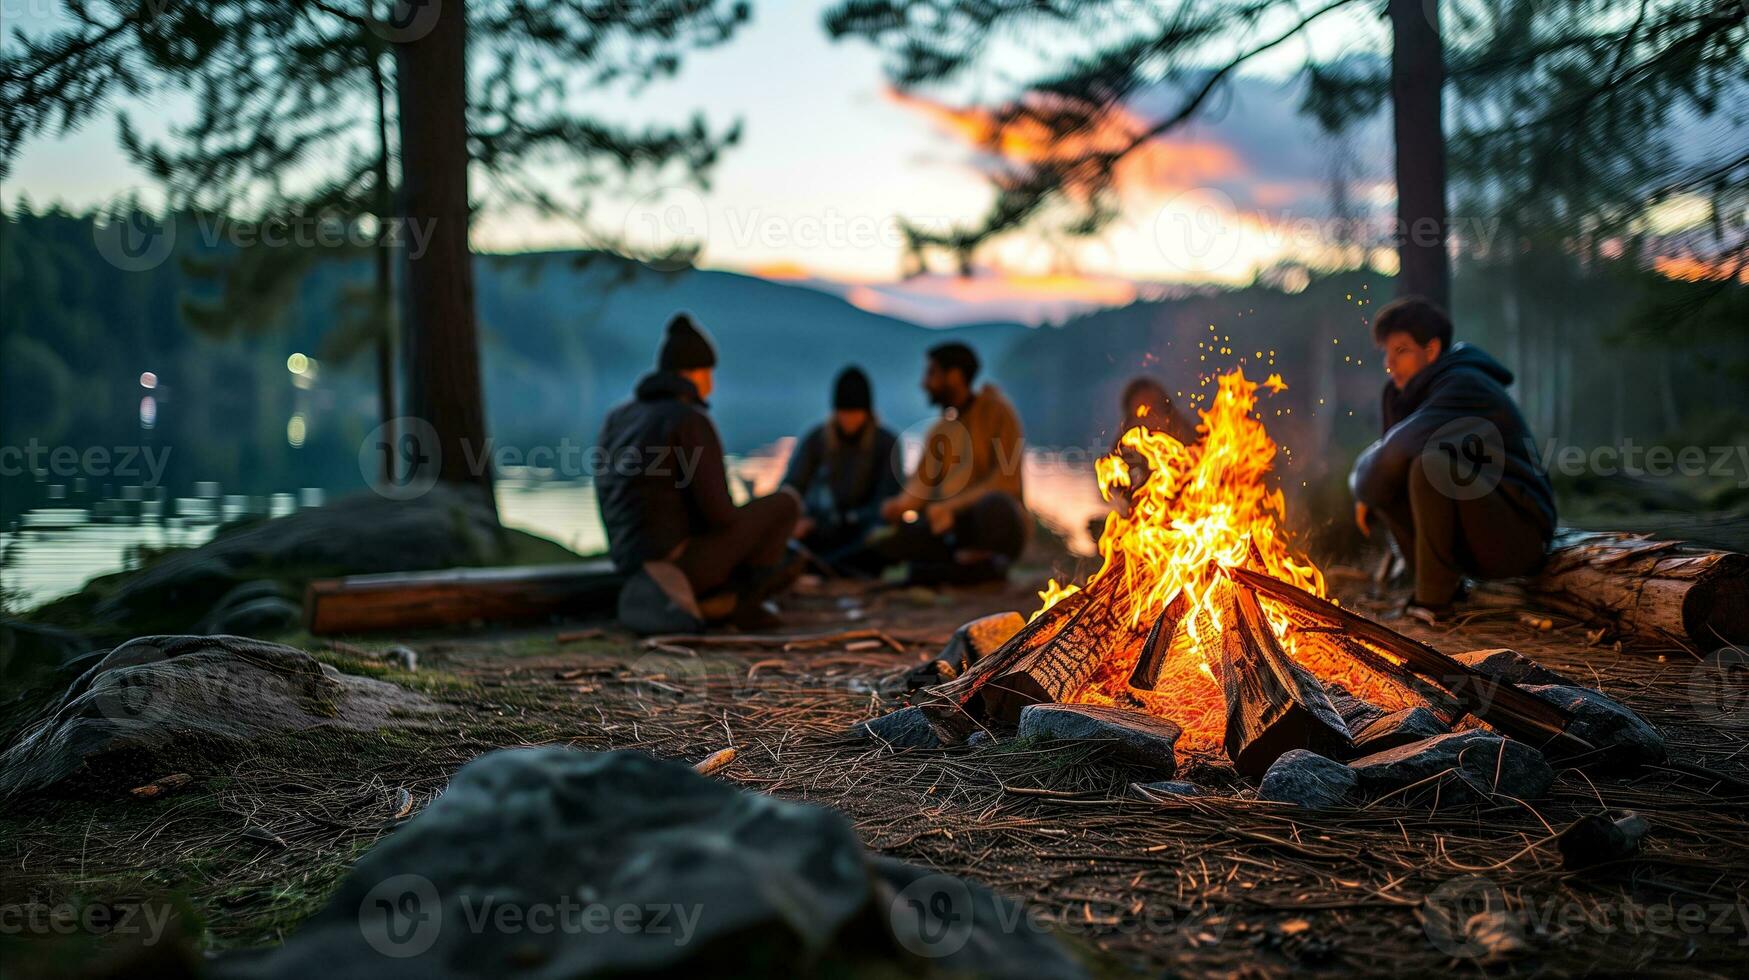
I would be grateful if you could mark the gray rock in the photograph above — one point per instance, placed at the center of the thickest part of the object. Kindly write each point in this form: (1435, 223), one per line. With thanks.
(1464, 767)
(1308, 779)
(1166, 787)
(1606, 723)
(1135, 736)
(664, 873)
(152, 701)
(979, 737)
(1398, 728)
(255, 617)
(29, 650)
(907, 728)
(1509, 666)
(958, 928)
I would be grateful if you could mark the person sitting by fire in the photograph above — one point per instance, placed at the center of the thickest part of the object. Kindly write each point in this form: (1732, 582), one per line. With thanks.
(844, 469)
(693, 556)
(1454, 477)
(961, 517)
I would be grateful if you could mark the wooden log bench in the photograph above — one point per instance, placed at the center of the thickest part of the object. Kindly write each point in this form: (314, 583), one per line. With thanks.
(460, 596)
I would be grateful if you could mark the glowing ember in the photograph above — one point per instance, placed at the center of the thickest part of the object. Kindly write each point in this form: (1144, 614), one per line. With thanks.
(1201, 508)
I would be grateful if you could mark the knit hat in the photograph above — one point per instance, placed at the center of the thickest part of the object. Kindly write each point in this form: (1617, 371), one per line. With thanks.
(686, 347)
(851, 391)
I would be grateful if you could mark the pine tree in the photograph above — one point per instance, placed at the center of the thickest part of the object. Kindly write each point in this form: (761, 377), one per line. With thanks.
(306, 110)
(1555, 100)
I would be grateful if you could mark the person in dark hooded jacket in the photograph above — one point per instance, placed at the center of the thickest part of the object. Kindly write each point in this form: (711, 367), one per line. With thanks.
(844, 469)
(1455, 478)
(664, 495)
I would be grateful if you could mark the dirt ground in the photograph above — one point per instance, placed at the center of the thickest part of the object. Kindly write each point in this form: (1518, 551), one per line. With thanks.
(1194, 886)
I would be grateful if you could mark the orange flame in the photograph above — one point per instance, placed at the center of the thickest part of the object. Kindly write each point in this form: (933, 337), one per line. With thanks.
(1199, 509)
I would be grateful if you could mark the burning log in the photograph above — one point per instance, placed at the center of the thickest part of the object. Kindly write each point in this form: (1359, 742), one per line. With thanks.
(1515, 713)
(1055, 670)
(1159, 643)
(1273, 704)
(1000, 684)
(1650, 588)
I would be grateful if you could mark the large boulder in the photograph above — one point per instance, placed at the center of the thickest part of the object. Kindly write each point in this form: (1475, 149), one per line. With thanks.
(1605, 723)
(1135, 737)
(554, 862)
(361, 534)
(152, 704)
(1308, 779)
(30, 650)
(1463, 767)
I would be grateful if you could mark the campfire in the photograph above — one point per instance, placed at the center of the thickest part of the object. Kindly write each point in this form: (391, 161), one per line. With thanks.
(1201, 614)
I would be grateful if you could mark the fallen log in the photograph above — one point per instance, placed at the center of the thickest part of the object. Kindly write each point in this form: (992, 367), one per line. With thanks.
(459, 596)
(1515, 713)
(1273, 704)
(1650, 589)
(1158, 645)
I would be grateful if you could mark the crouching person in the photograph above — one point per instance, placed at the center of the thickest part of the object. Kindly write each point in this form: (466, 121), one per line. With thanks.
(1454, 478)
(961, 516)
(844, 470)
(693, 557)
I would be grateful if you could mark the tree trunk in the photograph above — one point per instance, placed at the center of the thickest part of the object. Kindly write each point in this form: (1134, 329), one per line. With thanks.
(443, 357)
(385, 279)
(1417, 83)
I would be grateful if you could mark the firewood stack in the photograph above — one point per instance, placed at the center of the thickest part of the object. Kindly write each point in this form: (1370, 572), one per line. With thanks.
(1274, 704)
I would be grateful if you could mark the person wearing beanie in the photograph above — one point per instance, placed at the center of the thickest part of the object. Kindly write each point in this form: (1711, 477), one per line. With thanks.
(843, 469)
(961, 517)
(692, 555)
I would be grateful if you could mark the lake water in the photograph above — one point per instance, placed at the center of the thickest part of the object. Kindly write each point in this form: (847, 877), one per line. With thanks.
(54, 548)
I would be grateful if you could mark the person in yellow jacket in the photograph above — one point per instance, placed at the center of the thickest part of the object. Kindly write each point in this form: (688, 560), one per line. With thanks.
(961, 517)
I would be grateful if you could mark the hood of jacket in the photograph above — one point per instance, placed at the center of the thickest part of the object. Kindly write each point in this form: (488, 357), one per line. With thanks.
(1461, 358)
(668, 386)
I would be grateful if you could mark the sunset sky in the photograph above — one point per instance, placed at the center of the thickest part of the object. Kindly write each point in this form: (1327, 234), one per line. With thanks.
(831, 158)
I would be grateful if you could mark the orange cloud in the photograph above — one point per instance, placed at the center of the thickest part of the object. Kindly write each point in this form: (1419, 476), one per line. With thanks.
(1695, 270)
(1160, 165)
(864, 298)
(781, 269)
